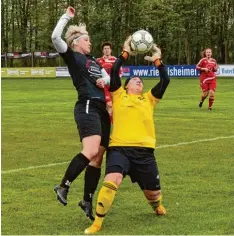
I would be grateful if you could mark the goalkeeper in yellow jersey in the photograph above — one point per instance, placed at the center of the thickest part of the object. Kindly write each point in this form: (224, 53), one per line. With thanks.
(132, 142)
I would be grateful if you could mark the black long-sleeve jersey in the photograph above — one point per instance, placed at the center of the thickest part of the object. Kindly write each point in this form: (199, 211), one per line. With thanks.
(84, 71)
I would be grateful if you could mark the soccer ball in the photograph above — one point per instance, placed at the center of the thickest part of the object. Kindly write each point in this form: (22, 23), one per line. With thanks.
(142, 41)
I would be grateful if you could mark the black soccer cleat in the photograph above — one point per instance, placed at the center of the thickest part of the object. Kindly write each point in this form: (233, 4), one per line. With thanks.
(210, 108)
(61, 194)
(87, 208)
(200, 104)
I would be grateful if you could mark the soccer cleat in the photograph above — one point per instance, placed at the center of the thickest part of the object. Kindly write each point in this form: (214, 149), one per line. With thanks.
(210, 108)
(200, 104)
(61, 194)
(87, 208)
(93, 229)
(160, 211)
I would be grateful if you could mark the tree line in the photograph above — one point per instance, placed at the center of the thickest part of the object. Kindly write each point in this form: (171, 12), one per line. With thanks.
(181, 28)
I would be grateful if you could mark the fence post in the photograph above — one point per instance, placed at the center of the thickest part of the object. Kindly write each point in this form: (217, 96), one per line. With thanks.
(32, 58)
(5, 59)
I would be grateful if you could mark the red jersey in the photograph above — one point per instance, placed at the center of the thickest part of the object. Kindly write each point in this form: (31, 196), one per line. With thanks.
(107, 63)
(210, 64)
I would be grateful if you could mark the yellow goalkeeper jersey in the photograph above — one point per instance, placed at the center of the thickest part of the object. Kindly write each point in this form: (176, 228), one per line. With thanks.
(133, 123)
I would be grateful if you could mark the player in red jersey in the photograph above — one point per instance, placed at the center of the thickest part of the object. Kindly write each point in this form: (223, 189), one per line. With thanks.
(107, 61)
(207, 66)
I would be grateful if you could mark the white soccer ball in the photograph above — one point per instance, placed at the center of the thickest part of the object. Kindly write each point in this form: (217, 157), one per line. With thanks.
(142, 41)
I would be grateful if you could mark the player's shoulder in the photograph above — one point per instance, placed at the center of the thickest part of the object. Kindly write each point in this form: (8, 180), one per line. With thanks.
(150, 97)
(113, 57)
(68, 52)
(89, 57)
(212, 59)
(203, 59)
(119, 92)
(99, 59)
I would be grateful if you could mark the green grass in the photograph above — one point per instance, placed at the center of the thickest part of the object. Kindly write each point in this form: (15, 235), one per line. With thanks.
(38, 129)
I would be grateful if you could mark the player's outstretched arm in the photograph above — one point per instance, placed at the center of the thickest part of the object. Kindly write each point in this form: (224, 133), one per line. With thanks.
(59, 44)
(115, 82)
(105, 80)
(159, 89)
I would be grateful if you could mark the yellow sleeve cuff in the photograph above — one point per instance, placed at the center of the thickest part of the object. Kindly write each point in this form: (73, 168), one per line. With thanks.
(125, 55)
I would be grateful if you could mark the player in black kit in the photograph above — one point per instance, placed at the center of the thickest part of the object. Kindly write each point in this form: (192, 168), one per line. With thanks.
(90, 112)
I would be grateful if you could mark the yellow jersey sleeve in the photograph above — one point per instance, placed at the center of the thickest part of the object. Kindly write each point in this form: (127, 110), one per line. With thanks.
(152, 99)
(118, 92)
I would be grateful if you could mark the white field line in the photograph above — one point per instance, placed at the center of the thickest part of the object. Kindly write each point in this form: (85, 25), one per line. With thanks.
(33, 167)
(162, 146)
(196, 141)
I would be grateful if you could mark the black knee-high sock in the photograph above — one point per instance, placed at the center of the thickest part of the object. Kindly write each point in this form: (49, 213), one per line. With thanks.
(92, 176)
(203, 98)
(76, 166)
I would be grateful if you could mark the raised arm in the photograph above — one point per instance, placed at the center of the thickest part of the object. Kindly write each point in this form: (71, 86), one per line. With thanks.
(59, 44)
(115, 81)
(159, 89)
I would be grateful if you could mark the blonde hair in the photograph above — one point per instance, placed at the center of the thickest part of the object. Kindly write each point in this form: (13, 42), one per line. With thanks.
(203, 53)
(73, 32)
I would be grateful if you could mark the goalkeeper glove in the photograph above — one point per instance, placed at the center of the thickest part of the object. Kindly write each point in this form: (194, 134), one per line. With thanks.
(156, 54)
(127, 46)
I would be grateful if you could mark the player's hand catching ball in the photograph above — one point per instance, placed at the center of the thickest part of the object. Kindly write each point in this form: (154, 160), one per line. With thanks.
(127, 47)
(156, 54)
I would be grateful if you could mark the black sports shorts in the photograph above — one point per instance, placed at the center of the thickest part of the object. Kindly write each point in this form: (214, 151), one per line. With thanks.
(92, 118)
(137, 162)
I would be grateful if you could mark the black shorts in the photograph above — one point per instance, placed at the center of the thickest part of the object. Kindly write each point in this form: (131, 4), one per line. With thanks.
(139, 163)
(92, 118)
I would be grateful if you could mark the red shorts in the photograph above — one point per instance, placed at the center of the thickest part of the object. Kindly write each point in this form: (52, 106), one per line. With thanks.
(207, 85)
(107, 94)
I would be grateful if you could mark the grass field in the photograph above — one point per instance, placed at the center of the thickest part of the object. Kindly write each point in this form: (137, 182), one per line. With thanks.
(195, 153)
